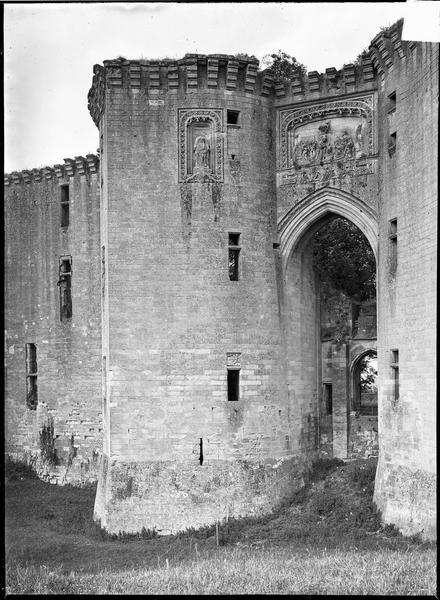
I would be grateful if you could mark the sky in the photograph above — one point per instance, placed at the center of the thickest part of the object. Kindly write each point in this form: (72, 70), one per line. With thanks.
(50, 50)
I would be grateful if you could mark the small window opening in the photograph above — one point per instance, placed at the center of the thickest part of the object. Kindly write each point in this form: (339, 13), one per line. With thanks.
(366, 401)
(234, 239)
(65, 206)
(31, 376)
(233, 385)
(103, 271)
(201, 452)
(392, 102)
(395, 367)
(233, 264)
(65, 285)
(392, 144)
(232, 117)
(393, 241)
(233, 257)
(328, 398)
(104, 377)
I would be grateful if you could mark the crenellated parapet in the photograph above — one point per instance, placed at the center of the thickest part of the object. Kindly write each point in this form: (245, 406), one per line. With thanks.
(83, 166)
(384, 51)
(194, 72)
(351, 78)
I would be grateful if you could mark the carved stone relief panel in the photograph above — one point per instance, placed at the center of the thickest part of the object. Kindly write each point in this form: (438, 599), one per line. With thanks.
(327, 141)
(200, 145)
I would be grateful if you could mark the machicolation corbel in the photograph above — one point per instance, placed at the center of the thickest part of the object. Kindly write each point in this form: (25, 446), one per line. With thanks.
(69, 166)
(212, 72)
(349, 77)
(231, 75)
(59, 171)
(313, 78)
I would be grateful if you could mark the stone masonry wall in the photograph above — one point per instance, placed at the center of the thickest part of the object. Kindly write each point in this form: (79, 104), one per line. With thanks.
(69, 388)
(174, 315)
(405, 482)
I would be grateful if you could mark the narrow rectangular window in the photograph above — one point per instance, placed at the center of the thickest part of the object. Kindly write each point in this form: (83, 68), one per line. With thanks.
(392, 143)
(201, 452)
(392, 102)
(103, 271)
(232, 117)
(31, 376)
(104, 377)
(328, 398)
(65, 285)
(393, 242)
(65, 206)
(233, 385)
(234, 255)
(395, 367)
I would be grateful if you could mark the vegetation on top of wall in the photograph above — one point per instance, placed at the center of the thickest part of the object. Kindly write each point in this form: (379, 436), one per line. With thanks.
(283, 65)
(358, 61)
(244, 56)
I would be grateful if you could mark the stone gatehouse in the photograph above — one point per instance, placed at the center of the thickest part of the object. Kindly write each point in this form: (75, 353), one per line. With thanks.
(163, 325)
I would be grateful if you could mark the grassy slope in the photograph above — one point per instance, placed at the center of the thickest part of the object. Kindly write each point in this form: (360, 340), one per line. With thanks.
(328, 539)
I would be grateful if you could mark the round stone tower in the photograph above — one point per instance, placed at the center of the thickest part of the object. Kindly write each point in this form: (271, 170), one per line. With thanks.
(197, 420)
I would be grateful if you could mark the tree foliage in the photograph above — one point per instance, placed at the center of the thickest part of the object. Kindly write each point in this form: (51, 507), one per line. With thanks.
(360, 57)
(344, 259)
(282, 65)
(368, 374)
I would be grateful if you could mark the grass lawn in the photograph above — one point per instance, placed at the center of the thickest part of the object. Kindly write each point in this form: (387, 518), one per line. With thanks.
(327, 540)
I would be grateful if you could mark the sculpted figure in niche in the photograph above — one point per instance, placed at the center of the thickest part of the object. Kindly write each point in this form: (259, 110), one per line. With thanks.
(344, 146)
(359, 141)
(202, 149)
(324, 147)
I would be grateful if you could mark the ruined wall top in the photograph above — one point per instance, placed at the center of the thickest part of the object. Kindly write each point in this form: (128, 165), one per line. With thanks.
(372, 65)
(191, 73)
(240, 73)
(80, 165)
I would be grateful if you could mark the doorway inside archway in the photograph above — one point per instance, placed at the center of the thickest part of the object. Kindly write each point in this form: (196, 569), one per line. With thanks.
(345, 267)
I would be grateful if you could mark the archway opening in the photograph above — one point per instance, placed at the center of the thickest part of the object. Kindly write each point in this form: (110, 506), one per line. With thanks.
(365, 384)
(329, 303)
(345, 265)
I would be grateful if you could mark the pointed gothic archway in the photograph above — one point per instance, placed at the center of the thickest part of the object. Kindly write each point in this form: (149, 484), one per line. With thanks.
(325, 201)
(300, 313)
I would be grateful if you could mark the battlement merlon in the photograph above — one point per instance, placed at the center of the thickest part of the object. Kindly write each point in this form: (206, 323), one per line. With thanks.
(83, 166)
